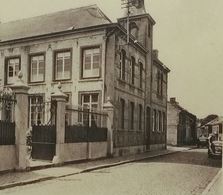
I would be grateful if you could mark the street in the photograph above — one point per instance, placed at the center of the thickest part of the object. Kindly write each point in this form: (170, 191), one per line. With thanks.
(187, 172)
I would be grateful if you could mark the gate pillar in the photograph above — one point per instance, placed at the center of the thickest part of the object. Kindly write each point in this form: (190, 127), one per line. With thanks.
(60, 99)
(109, 108)
(21, 121)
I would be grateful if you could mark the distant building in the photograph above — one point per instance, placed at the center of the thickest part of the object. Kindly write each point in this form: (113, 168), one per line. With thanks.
(215, 127)
(181, 125)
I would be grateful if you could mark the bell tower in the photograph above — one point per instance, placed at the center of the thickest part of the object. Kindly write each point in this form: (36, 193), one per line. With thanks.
(134, 7)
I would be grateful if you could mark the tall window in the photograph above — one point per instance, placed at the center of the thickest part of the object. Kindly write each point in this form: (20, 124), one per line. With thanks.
(122, 64)
(149, 30)
(140, 75)
(159, 83)
(63, 65)
(90, 106)
(164, 122)
(131, 115)
(122, 112)
(160, 121)
(154, 120)
(91, 63)
(37, 68)
(13, 67)
(140, 117)
(36, 110)
(132, 70)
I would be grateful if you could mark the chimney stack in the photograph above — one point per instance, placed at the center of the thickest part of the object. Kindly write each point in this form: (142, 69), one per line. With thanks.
(173, 100)
(156, 53)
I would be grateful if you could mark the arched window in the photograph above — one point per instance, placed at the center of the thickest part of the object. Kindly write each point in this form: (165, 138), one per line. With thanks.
(140, 75)
(134, 30)
(132, 76)
(122, 64)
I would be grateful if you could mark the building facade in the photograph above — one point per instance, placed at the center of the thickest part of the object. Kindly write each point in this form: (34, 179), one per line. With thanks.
(94, 59)
(181, 125)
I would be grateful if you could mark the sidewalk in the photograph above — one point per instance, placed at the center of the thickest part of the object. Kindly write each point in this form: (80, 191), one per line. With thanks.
(22, 178)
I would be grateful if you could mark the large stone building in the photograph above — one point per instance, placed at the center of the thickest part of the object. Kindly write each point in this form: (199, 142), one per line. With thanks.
(93, 60)
(181, 125)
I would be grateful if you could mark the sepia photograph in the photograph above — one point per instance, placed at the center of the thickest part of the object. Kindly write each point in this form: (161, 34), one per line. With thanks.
(115, 97)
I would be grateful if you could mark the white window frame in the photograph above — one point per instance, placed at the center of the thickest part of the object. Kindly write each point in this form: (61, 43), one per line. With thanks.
(16, 68)
(91, 72)
(63, 56)
(36, 112)
(38, 77)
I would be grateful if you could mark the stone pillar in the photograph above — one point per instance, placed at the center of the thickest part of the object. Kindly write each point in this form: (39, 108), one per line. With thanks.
(109, 108)
(21, 121)
(60, 99)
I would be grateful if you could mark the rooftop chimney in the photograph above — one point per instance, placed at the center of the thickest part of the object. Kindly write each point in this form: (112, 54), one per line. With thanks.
(156, 53)
(173, 100)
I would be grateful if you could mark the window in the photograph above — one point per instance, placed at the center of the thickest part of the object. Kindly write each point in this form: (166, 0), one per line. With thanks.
(62, 65)
(154, 120)
(160, 121)
(131, 115)
(91, 63)
(90, 105)
(132, 70)
(36, 110)
(149, 30)
(140, 75)
(164, 122)
(37, 68)
(122, 111)
(122, 64)
(159, 84)
(140, 117)
(134, 30)
(12, 67)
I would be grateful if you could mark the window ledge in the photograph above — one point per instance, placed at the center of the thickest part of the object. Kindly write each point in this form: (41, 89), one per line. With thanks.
(62, 82)
(36, 83)
(90, 80)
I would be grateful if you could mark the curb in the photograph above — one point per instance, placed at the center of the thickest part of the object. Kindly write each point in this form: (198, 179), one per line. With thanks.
(32, 181)
(210, 185)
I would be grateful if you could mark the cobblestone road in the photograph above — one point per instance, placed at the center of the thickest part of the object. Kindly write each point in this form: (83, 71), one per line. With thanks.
(183, 173)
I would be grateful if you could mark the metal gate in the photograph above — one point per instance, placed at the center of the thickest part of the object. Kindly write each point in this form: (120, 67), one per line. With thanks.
(44, 133)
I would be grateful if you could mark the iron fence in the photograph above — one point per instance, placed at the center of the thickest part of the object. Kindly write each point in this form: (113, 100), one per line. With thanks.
(85, 125)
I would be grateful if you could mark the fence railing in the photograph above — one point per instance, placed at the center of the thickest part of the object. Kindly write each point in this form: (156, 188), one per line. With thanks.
(7, 133)
(85, 125)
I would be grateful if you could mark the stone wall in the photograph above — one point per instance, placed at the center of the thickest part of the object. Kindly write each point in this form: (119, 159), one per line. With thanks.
(7, 158)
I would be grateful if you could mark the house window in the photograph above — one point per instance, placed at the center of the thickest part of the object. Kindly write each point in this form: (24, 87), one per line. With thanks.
(159, 84)
(140, 117)
(62, 65)
(36, 110)
(131, 115)
(91, 63)
(122, 112)
(90, 105)
(164, 122)
(132, 70)
(12, 67)
(149, 30)
(140, 75)
(122, 64)
(154, 120)
(37, 68)
(160, 121)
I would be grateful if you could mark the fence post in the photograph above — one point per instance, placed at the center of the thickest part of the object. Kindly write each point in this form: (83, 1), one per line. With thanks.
(60, 99)
(21, 124)
(109, 109)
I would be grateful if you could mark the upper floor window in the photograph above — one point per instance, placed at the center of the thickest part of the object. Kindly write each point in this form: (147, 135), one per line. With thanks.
(37, 68)
(122, 64)
(12, 67)
(149, 30)
(134, 30)
(132, 71)
(140, 75)
(62, 65)
(159, 83)
(154, 120)
(91, 62)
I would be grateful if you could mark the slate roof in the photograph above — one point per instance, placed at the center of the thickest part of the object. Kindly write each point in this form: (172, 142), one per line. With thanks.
(52, 23)
(216, 121)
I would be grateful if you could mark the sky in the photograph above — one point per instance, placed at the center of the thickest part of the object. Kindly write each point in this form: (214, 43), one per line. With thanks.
(188, 35)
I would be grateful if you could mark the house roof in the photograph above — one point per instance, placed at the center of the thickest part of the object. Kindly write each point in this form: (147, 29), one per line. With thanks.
(52, 23)
(216, 121)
